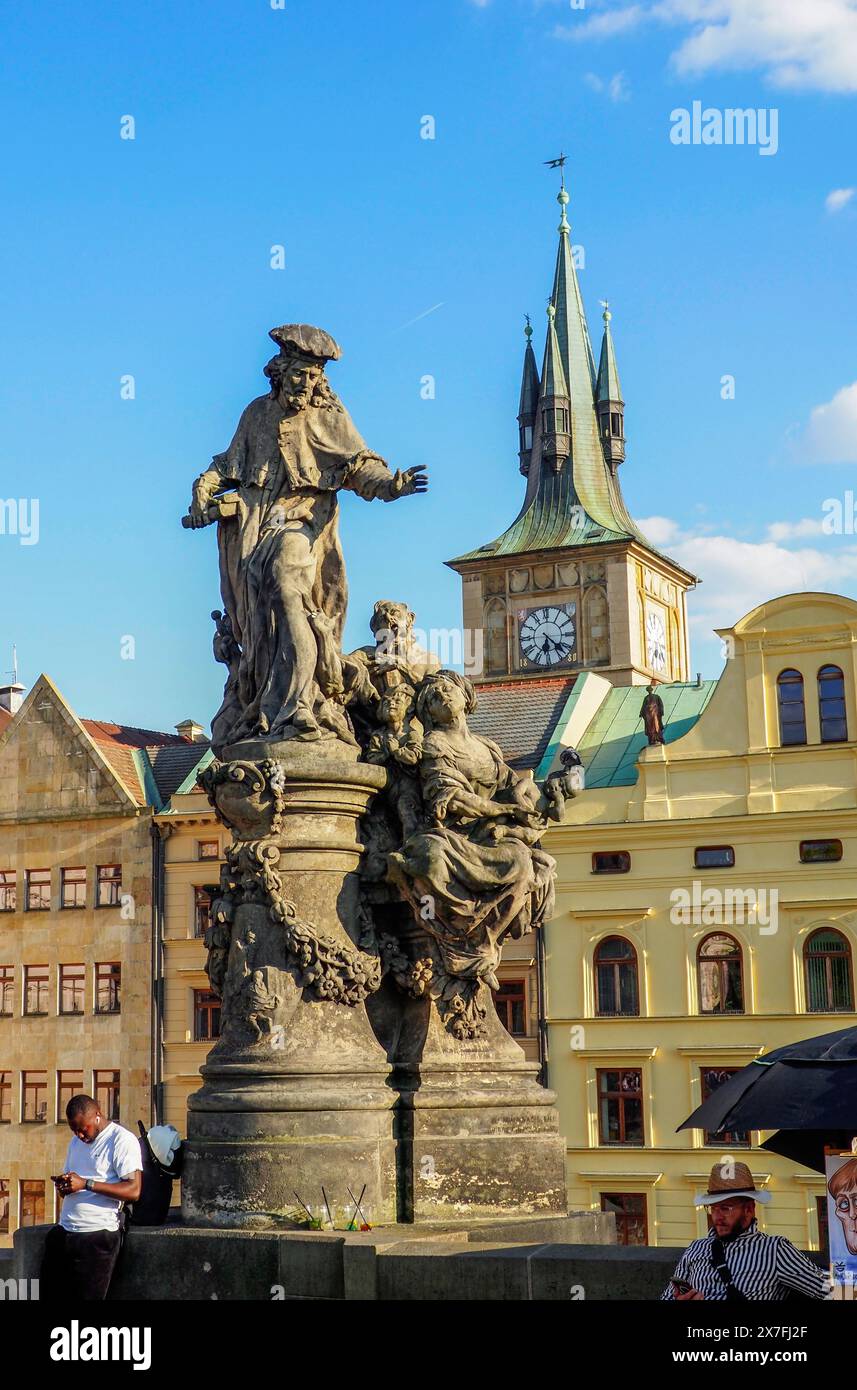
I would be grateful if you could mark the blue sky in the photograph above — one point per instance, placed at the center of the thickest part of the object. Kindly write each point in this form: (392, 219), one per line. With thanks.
(300, 126)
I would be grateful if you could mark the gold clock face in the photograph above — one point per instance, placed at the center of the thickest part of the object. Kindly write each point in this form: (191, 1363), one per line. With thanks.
(547, 635)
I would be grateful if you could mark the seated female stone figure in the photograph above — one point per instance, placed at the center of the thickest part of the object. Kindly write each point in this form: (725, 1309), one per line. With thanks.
(473, 873)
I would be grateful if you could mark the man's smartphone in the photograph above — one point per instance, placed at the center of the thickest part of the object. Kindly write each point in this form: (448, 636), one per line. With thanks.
(681, 1286)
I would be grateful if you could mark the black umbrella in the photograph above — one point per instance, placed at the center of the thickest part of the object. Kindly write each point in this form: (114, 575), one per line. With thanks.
(806, 1090)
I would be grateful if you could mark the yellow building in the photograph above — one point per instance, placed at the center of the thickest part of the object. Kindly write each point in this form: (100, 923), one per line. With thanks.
(189, 856)
(76, 800)
(706, 911)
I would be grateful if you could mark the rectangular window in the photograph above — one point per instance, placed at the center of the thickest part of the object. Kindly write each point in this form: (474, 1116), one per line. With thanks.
(32, 1202)
(72, 887)
(7, 991)
(108, 885)
(714, 857)
(36, 985)
(208, 849)
(206, 1015)
(38, 890)
(201, 911)
(72, 988)
(629, 1209)
(620, 1106)
(511, 1004)
(108, 987)
(34, 1097)
(712, 1079)
(820, 851)
(107, 1093)
(4, 1206)
(69, 1083)
(611, 862)
(5, 1097)
(8, 891)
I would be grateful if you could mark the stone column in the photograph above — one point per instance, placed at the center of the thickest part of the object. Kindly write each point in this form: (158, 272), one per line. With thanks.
(295, 1093)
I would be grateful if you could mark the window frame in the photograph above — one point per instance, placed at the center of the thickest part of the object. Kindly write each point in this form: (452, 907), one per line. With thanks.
(791, 677)
(830, 859)
(40, 981)
(5, 981)
(831, 672)
(7, 884)
(600, 858)
(76, 1090)
(102, 881)
(5, 1200)
(207, 1002)
(710, 1140)
(616, 962)
(76, 883)
(29, 885)
(721, 962)
(729, 863)
(6, 1090)
(99, 977)
(627, 1217)
(61, 968)
(828, 956)
(621, 1096)
(32, 1182)
(511, 1000)
(36, 1086)
(112, 1089)
(200, 891)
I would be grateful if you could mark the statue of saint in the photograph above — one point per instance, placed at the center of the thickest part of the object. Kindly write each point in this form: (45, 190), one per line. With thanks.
(652, 715)
(282, 574)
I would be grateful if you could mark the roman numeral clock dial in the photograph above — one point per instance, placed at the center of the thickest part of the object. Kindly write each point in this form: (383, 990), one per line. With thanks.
(547, 636)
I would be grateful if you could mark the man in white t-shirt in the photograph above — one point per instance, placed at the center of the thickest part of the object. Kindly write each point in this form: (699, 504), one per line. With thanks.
(103, 1170)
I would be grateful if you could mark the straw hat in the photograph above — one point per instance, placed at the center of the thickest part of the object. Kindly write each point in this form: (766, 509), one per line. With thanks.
(730, 1179)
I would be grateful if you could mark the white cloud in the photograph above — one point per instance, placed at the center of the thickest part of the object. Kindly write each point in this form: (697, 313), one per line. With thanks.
(809, 44)
(795, 530)
(738, 575)
(615, 87)
(831, 434)
(660, 530)
(838, 198)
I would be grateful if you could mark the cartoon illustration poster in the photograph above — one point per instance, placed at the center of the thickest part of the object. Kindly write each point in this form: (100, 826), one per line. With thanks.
(840, 1171)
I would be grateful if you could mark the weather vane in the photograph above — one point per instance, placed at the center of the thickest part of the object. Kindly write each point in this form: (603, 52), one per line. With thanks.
(558, 164)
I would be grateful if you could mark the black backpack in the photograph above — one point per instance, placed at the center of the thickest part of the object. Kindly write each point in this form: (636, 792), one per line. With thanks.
(153, 1205)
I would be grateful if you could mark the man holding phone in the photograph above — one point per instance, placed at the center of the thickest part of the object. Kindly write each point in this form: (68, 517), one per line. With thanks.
(103, 1170)
(736, 1261)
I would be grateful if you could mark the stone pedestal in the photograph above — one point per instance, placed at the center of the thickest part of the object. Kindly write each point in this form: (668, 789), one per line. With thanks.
(295, 1094)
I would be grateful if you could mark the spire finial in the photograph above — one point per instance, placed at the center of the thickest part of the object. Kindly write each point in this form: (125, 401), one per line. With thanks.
(551, 310)
(528, 331)
(605, 304)
(562, 196)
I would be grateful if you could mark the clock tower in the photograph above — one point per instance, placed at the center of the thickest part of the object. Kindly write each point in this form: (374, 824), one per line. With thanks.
(573, 585)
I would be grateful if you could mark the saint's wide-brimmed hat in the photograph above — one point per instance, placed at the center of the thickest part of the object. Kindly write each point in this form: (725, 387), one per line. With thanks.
(309, 341)
(730, 1179)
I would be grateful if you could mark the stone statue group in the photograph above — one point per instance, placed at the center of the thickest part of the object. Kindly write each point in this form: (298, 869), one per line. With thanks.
(451, 864)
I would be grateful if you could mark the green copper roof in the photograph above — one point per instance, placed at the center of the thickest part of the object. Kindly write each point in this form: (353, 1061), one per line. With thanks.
(615, 737)
(583, 503)
(608, 386)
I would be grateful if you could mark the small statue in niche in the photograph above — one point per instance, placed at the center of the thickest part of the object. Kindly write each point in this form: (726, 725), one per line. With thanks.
(652, 715)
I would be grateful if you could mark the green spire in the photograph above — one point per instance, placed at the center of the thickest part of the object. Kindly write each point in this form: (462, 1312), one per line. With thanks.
(554, 381)
(608, 386)
(529, 380)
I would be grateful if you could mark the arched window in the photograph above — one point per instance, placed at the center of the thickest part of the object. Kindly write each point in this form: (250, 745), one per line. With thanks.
(721, 975)
(831, 705)
(496, 654)
(792, 713)
(829, 981)
(616, 988)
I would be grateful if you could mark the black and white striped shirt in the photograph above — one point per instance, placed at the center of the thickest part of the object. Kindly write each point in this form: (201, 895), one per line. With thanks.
(761, 1266)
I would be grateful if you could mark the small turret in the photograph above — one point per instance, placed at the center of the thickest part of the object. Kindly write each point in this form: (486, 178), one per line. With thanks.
(608, 399)
(555, 402)
(529, 402)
